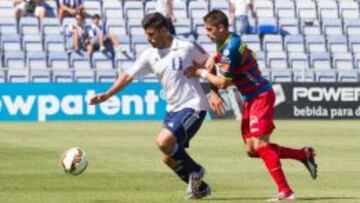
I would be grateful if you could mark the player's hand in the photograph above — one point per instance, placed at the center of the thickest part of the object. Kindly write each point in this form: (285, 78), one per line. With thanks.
(217, 103)
(97, 99)
(194, 70)
(210, 63)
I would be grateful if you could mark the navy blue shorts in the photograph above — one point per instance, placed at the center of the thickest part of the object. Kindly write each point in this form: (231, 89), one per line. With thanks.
(184, 124)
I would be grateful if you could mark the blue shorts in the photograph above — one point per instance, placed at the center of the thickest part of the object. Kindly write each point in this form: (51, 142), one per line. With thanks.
(184, 124)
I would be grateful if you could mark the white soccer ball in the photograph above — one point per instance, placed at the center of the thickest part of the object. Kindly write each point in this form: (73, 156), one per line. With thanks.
(74, 161)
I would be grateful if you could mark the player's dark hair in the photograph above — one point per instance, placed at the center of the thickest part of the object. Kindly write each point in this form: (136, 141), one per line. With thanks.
(216, 17)
(156, 20)
(96, 16)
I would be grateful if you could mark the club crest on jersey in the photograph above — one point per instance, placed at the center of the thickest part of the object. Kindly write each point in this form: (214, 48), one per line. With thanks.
(226, 52)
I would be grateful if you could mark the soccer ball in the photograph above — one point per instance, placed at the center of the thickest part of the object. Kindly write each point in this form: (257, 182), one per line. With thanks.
(74, 161)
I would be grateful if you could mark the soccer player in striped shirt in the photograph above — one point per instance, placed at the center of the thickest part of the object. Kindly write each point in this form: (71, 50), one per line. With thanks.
(238, 66)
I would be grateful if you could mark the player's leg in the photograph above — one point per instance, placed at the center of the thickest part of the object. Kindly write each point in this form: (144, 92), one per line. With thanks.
(173, 140)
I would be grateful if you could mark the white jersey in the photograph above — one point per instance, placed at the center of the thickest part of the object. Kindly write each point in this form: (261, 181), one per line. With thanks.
(169, 65)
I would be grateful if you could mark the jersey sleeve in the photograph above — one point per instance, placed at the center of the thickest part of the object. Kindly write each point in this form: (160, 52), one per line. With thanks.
(199, 54)
(141, 66)
(230, 60)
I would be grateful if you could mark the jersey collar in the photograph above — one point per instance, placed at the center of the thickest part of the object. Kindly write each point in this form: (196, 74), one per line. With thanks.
(225, 42)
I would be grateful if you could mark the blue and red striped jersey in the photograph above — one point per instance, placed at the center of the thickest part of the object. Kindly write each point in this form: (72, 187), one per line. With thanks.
(238, 63)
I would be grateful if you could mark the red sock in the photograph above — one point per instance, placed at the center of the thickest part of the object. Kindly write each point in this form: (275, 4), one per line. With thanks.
(288, 153)
(273, 165)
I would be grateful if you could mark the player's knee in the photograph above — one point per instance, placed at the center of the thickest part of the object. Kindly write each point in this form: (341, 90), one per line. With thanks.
(251, 152)
(165, 143)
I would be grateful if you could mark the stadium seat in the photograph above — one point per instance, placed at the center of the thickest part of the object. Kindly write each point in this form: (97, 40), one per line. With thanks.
(267, 26)
(325, 76)
(298, 61)
(306, 10)
(80, 60)
(32, 43)
(117, 26)
(343, 61)
(10, 42)
(349, 9)
(303, 76)
(320, 61)
(281, 76)
(51, 26)
(348, 76)
(2, 76)
(260, 57)
(8, 25)
(272, 43)
(106, 76)
(264, 9)
(315, 43)
(14, 60)
(289, 26)
(252, 41)
(6, 12)
(59, 62)
(311, 28)
(354, 44)
(294, 43)
(36, 60)
(332, 27)
(328, 9)
(54, 43)
(352, 27)
(285, 9)
(29, 25)
(277, 60)
(102, 61)
(337, 44)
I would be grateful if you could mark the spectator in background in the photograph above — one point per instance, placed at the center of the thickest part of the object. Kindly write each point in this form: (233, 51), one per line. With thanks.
(36, 8)
(98, 39)
(165, 7)
(238, 13)
(79, 33)
(69, 8)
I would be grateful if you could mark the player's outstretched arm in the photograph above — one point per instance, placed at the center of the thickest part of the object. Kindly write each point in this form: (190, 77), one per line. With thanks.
(123, 80)
(198, 71)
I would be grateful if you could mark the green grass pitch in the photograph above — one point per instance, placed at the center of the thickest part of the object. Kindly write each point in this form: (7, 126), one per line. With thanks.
(125, 164)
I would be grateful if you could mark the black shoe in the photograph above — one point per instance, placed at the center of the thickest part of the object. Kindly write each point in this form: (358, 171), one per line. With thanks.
(309, 161)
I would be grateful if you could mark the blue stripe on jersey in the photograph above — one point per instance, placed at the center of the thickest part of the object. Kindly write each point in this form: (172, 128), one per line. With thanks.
(73, 3)
(267, 86)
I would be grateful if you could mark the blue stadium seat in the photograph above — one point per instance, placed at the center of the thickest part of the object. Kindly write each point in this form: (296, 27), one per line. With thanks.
(354, 44)
(328, 9)
(267, 26)
(352, 27)
(59, 63)
(306, 10)
(6, 12)
(349, 9)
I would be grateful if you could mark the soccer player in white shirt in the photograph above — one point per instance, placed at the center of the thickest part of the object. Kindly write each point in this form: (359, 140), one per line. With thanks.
(186, 101)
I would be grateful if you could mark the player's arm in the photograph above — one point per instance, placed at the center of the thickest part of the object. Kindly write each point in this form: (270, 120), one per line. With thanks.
(140, 68)
(123, 80)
